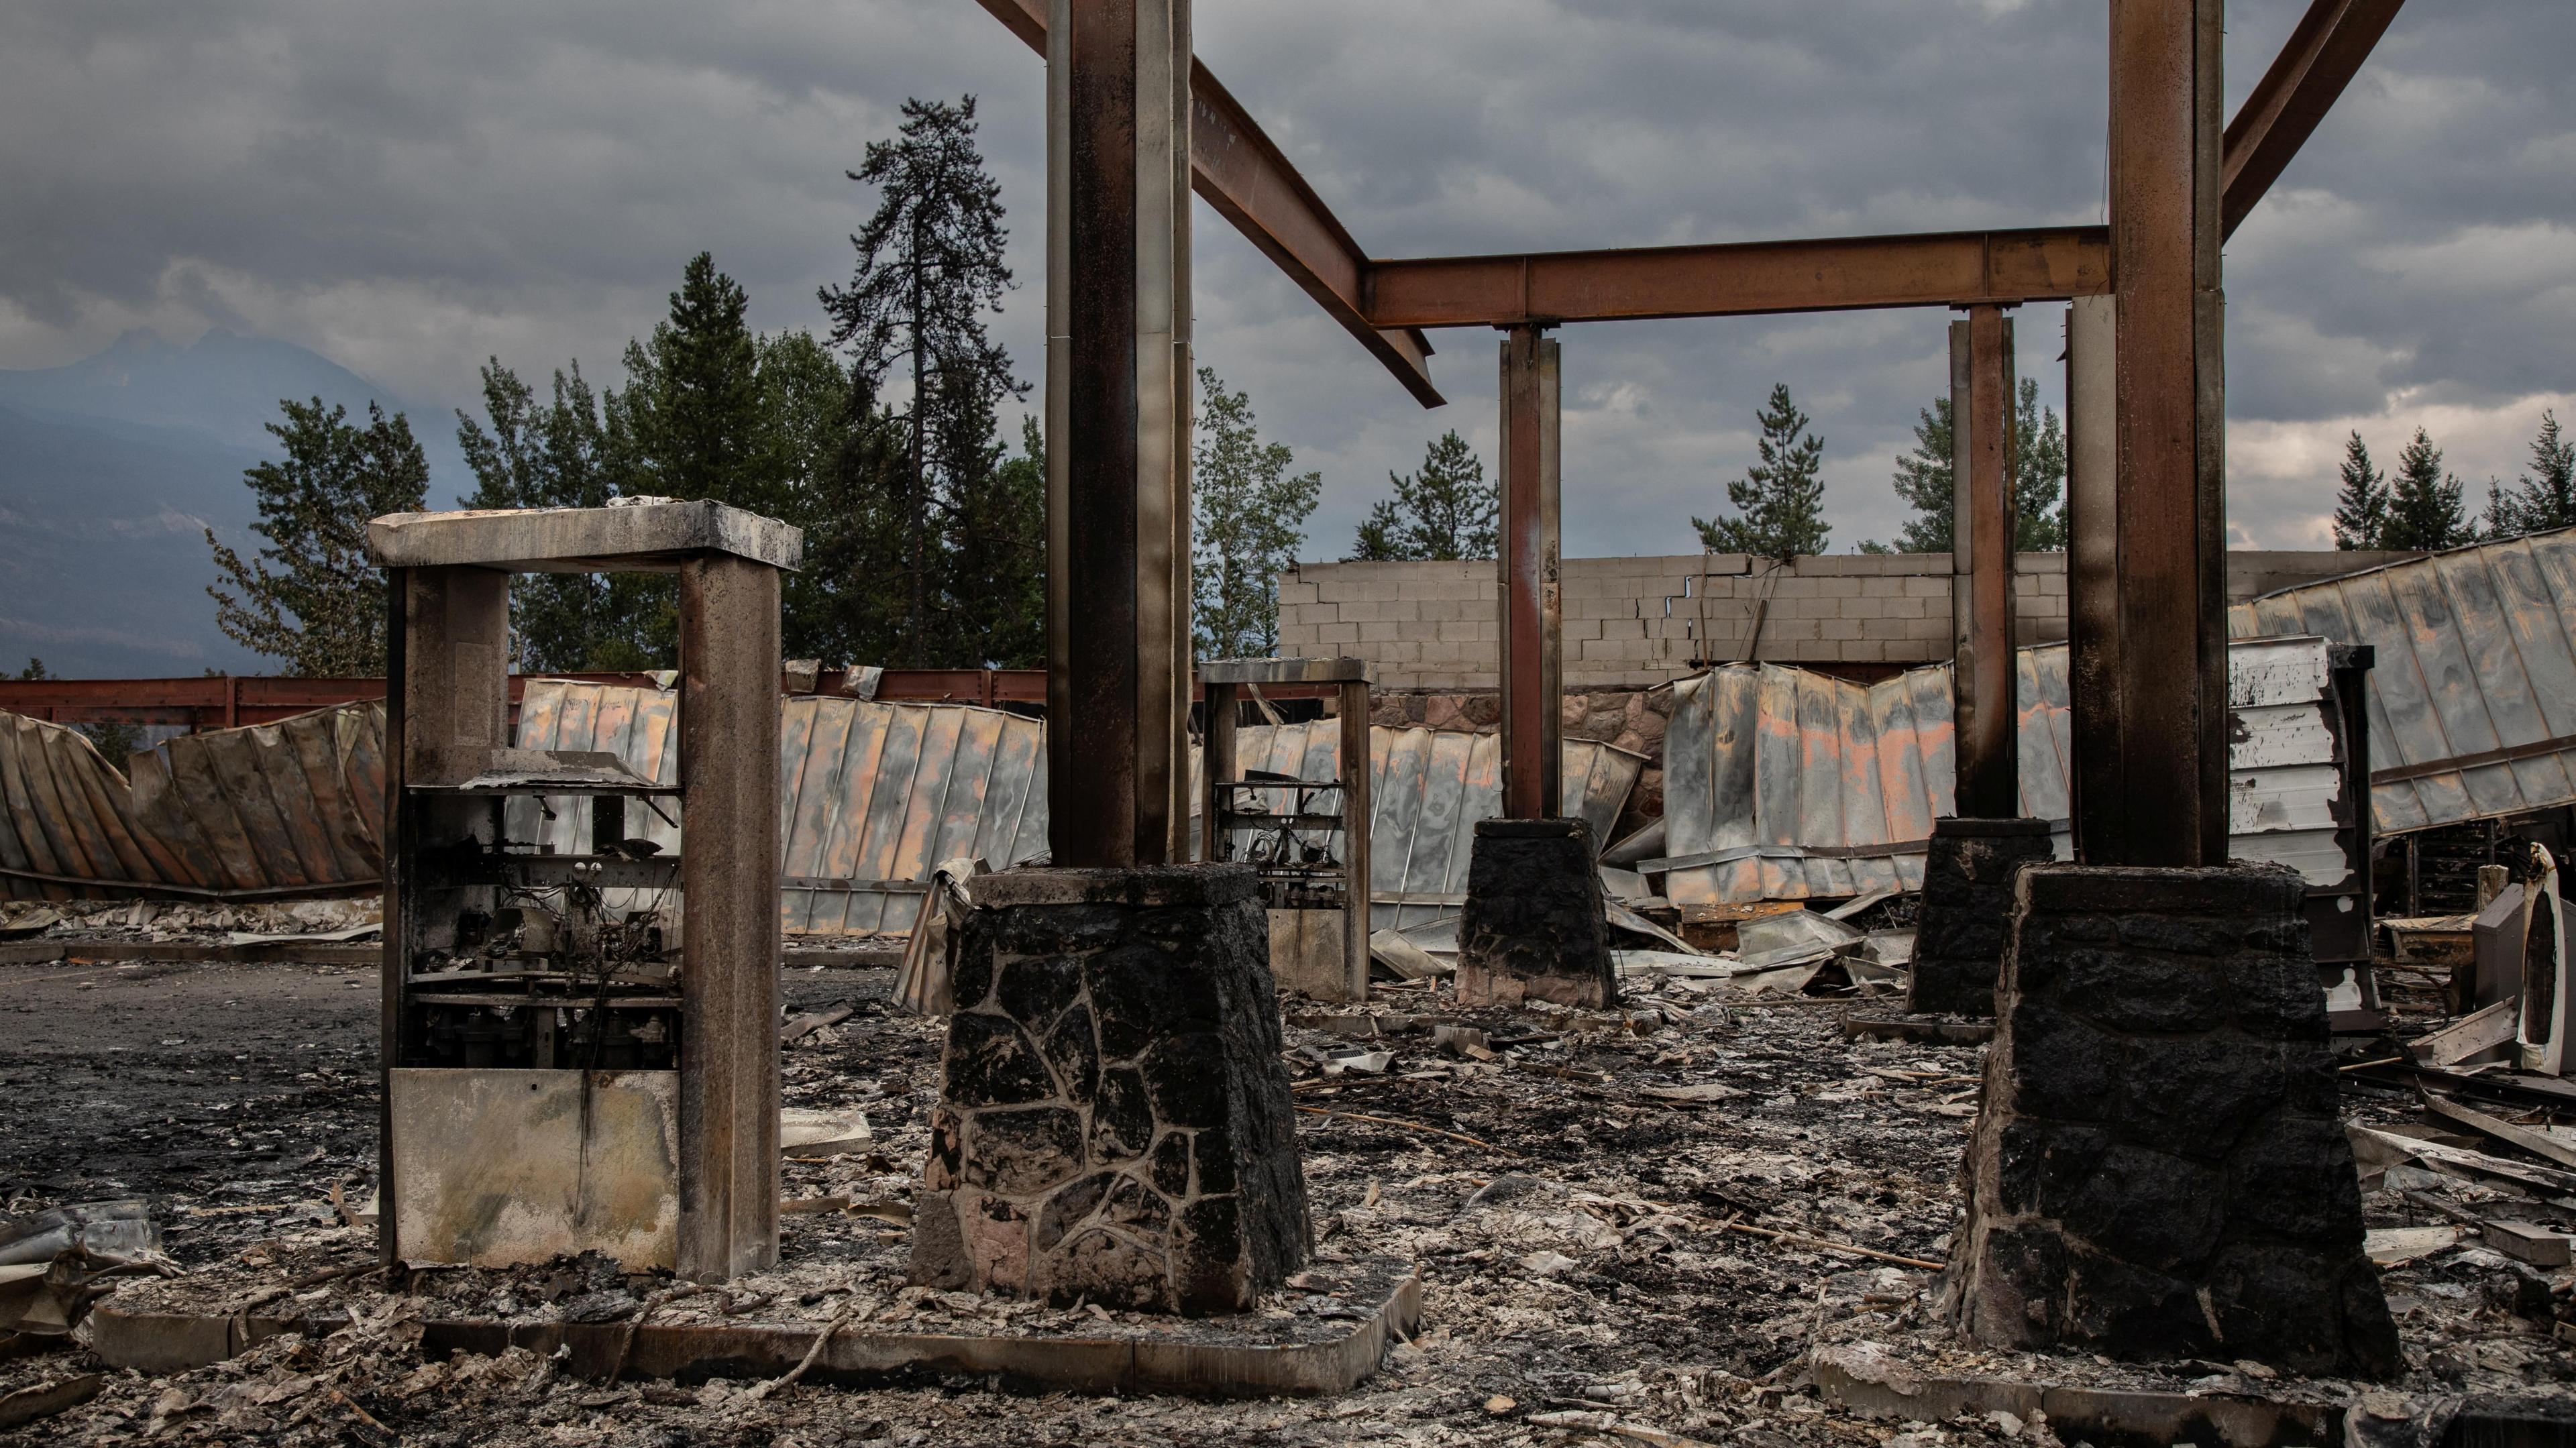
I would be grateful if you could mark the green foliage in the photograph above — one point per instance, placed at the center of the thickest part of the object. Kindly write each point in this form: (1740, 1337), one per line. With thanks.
(310, 598)
(1445, 510)
(996, 575)
(2424, 502)
(1249, 517)
(2545, 497)
(35, 669)
(2361, 505)
(1779, 502)
(2038, 461)
(929, 268)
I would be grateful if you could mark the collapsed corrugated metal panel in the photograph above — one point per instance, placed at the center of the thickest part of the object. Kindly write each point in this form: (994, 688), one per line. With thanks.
(872, 795)
(1427, 789)
(1787, 785)
(275, 809)
(2473, 690)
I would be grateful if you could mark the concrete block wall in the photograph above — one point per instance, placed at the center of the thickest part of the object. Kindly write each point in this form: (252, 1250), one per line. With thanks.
(1636, 622)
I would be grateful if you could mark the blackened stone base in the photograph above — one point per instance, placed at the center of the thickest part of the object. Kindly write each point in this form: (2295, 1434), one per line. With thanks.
(1533, 928)
(1967, 903)
(1114, 1122)
(2159, 1170)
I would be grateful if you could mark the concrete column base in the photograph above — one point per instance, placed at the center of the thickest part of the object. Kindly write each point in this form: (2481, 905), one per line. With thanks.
(1967, 902)
(1114, 1121)
(1533, 928)
(2159, 1170)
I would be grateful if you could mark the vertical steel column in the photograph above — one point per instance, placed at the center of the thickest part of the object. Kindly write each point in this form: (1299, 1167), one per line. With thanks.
(2092, 572)
(729, 928)
(1118, 426)
(1216, 763)
(2166, 706)
(1531, 602)
(1981, 566)
(1357, 813)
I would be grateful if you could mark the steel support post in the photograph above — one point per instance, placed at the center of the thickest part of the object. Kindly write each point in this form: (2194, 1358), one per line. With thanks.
(1118, 423)
(1216, 764)
(729, 930)
(1981, 566)
(2160, 724)
(1532, 600)
(2092, 556)
(1358, 810)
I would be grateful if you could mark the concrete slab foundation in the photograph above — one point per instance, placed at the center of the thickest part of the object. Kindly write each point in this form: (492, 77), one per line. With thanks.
(1967, 903)
(2159, 1171)
(1114, 1122)
(1532, 927)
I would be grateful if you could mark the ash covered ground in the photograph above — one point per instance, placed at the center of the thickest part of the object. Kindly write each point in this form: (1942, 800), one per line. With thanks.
(1583, 1254)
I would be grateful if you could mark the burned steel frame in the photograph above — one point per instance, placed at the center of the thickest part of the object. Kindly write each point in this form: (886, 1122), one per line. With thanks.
(1118, 403)
(1982, 527)
(2325, 50)
(1532, 606)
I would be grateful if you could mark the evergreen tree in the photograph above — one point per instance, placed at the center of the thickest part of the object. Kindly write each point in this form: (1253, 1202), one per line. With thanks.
(310, 597)
(1249, 516)
(2037, 459)
(861, 533)
(563, 453)
(1780, 501)
(2546, 496)
(1444, 510)
(692, 400)
(929, 268)
(996, 575)
(2361, 505)
(2424, 502)
(2038, 464)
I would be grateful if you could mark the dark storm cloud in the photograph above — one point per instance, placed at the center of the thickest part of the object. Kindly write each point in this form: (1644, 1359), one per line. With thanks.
(408, 188)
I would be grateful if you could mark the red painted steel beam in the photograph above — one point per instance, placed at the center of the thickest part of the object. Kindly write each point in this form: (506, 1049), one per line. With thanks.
(2322, 55)
(1237, 169)
(1936, 269)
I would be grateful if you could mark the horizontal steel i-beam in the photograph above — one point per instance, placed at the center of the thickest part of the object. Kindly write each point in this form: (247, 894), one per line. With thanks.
(1742, 279)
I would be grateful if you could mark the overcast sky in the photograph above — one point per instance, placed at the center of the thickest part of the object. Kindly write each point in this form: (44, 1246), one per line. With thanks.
(408, 188)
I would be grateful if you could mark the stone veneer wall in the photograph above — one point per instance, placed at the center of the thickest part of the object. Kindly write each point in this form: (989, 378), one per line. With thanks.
(2159, 1169)
(1114, 1121)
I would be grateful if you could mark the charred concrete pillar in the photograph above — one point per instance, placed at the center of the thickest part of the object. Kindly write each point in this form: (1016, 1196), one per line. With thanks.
(1118, 429)
(1967, 910)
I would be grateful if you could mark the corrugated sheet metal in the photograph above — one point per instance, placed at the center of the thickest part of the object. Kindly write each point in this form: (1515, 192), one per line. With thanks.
(1787, 785)
(272, 809)
(1427, 789)
(872, 795)
(2473, 688)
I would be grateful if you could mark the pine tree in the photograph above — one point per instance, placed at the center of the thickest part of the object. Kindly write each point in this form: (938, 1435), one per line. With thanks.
(2039, 475)
(2361, 506)
(2546, 496)
(1248, 517)
(310, 597)
(1923, 480)
(861, 532)
(996, 576)
(929, 267)
(2424, 502)
(692, 397)
(1444, 510)
(1780, 501)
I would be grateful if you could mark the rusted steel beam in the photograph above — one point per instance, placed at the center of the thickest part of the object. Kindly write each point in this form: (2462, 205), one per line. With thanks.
(1118, 404)
(1935, 269)
(1981, 383)
(1250, 182)
(2092, 562)
(1358, 812)
(2322, 55)
(2165, 712)
(1532, 604)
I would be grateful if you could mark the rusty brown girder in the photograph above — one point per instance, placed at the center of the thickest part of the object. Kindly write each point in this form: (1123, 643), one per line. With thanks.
(1236, 167)
(1935, 269)
(2320, 58)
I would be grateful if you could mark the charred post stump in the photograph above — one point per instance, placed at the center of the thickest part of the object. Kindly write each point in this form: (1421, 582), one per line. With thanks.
(1533, 926)
(2159, 1171)
(1967, 905)
(1114, 1121)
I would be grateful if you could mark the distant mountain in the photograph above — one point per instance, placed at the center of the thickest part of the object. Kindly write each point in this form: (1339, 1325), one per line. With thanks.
(111, 470)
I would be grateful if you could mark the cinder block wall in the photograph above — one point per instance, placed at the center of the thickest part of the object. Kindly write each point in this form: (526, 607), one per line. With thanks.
(1636, 622)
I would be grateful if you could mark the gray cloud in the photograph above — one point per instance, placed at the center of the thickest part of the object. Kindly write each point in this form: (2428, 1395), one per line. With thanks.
(409, 188)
